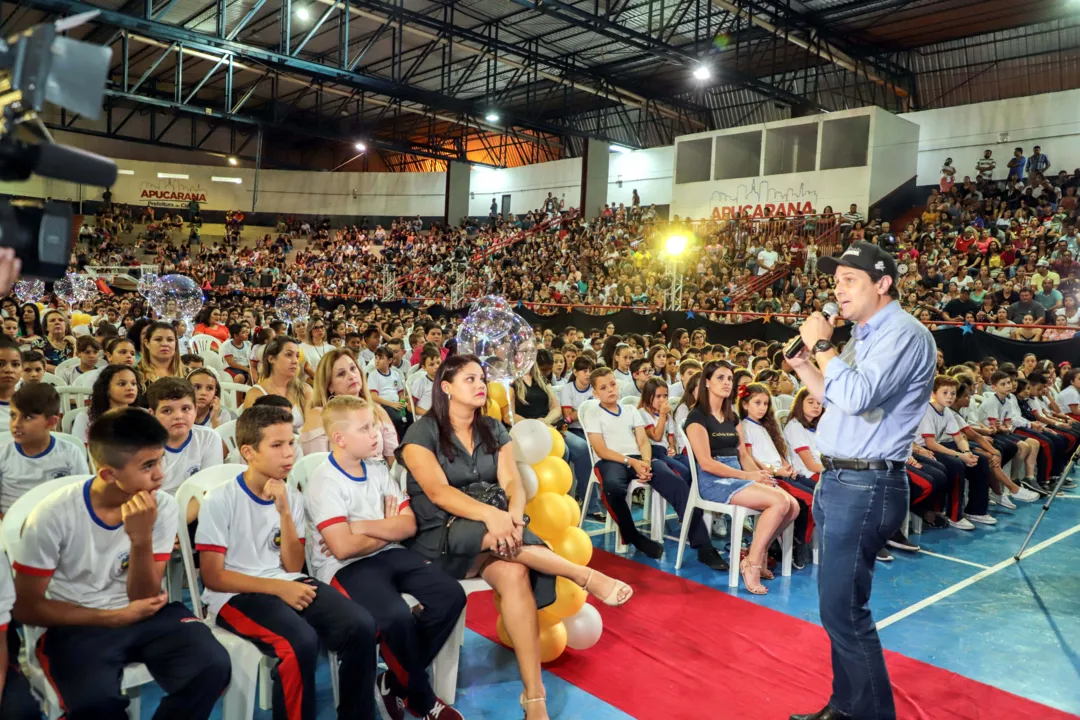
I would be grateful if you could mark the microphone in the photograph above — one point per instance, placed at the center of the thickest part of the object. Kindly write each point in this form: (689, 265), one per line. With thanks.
(795, 344)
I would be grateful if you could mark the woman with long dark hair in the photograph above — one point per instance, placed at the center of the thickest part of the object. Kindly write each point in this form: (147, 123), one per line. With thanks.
(455, 454)
(30, 322)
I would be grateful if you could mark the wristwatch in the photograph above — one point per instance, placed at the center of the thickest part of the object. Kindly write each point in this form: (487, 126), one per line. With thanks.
(626, 460)
(822, 345)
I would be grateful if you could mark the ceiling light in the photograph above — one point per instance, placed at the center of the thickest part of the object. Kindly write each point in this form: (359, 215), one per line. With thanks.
(701, 72)
(303, 13)
(125, 172)
(172, 176)
(232, 160)
(234, 180)
(621, 149)
(492, 117)
(360, 147)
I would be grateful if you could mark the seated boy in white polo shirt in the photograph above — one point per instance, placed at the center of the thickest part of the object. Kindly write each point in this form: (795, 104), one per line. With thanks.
(190, 447)
(33, 455)
(360, 516)
(99, 548)
(10, 375)
(251, 550)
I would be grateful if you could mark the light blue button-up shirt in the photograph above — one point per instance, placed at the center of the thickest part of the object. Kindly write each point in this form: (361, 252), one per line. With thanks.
(874, 408)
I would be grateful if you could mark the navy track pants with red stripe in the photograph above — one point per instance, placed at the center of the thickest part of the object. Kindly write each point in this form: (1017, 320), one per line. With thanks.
(978, 484)
(801, 488)
(85, 665)
(293, 637)
(408, 640)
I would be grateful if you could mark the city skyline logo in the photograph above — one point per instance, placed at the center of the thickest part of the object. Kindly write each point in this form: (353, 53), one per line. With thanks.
(760, 199)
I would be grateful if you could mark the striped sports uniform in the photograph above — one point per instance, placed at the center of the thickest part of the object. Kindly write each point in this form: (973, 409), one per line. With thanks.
(246, 529)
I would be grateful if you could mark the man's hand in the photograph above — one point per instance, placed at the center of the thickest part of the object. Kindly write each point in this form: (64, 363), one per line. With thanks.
(139, 610)
(391, 507)
(139, 514)
(10, 267)
(801, 360)
(914, 463)
(814, 328)
(296, 595)
(278, 491)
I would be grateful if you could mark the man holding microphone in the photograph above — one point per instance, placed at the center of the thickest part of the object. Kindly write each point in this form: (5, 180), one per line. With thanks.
(873, 408)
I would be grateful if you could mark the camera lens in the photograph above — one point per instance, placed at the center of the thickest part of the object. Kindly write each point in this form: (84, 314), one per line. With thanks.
(41, 235)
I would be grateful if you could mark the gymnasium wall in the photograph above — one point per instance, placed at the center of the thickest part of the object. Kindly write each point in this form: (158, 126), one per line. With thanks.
(963, 132)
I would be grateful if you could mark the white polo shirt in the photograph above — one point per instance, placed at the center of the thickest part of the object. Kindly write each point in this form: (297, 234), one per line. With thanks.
(385, 386)
(201, 450)
(617, 428)
(799, 437)
(650, 421)
(420, 387)
(760, 444)
(247, 530)
(87, 560)
(241, 355)
(939, 425)
(7, 591)
(20, 473)
(1068, 397)
(333, 496)
(571, 398)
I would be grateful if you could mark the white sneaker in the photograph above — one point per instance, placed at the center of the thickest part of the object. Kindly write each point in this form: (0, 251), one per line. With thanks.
(961, 524)
(982, 519)
(1025, 495)
(995, 499)
(1005, 502)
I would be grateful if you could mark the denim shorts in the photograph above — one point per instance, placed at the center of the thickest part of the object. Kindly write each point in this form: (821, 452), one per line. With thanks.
(721, 489)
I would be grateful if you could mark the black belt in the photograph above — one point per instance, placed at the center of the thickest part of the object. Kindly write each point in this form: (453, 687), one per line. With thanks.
(857, 464)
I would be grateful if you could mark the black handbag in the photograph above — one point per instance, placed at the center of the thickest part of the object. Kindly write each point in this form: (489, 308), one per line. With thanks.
(469, 532)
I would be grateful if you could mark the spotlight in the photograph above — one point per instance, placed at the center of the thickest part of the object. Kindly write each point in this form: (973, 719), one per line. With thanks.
(302, 13)
(675, 245)
(492, 117)
(360, 147)
(232, 160)
(620, 149)
(701, 72)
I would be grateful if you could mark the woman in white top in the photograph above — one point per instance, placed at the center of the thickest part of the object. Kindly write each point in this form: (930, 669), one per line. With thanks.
(765, 442)
(115, 387)
(278, 375)
(660, 427)
(339, 374)
(316, 347)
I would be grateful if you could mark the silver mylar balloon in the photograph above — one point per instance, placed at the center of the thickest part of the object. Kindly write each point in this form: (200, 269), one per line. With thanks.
(177, 297)
(29, 291)
(501, 339)
(147, 284)
(293, 305)
(73, 289)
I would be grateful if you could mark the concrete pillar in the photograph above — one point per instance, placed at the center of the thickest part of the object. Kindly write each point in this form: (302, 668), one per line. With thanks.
(594, 178)
(458, 176)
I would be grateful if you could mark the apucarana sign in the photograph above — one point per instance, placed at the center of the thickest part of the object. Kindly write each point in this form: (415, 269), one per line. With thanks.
(172, 193)
(771, 196)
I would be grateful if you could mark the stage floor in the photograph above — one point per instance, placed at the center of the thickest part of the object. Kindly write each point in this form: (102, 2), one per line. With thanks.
(960, 604)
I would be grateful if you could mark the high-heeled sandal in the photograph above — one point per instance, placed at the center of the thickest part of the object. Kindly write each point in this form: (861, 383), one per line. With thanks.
(746, 567)
(766, 573)
(526, 701)
(612, 598)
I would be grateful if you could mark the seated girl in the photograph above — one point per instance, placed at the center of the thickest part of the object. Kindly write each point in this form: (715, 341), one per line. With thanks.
(115, 387)
(660, 428)
(728, 473)
(800, 434)
(208, 410)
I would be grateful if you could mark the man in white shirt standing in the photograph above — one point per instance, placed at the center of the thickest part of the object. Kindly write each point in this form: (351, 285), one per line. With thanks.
(766, 259)
(88, 569)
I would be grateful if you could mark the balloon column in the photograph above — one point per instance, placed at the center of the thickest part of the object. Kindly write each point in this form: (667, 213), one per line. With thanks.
(554, 516)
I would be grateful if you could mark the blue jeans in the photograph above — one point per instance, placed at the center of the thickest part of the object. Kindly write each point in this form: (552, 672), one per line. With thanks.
(856, 512)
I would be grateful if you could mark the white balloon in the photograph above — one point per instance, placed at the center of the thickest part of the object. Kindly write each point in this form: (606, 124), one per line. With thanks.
(529, 480)
(532, 441)
(583, 628)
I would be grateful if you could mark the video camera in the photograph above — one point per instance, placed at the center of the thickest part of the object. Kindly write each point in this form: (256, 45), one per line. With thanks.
(39, 65)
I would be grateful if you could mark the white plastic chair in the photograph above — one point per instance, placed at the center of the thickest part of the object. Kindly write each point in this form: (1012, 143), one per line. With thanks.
(227, 432)
(51, 379)
(201, 343)
(213, 360)
(303, 467)
(655, 505)
(135, 674)
(62, 367)
(69, 419)
(228, 394)
(738, 515)
(248, 662)
(73, 397)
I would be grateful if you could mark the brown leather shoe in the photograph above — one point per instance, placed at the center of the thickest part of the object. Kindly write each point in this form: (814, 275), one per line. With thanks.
(826, 713)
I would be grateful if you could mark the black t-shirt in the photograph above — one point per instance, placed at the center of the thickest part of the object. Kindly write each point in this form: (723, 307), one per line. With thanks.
(723, 436)
(958, 308)
(536, 405)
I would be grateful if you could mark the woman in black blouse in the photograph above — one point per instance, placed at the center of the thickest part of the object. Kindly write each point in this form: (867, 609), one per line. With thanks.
(451, 448)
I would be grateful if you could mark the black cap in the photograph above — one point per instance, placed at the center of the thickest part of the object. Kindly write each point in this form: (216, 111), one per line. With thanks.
(868, 257)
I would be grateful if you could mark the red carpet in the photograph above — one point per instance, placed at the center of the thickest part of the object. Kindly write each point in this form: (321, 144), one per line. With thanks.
(683, 650)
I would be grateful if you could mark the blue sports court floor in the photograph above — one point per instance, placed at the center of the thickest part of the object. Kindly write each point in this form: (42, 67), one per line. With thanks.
(960, 603)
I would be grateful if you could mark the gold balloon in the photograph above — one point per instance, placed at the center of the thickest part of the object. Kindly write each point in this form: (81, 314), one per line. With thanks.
(504, 636)
(548, 514)
(79, 318)
(547, 619)
(552, 642)
(575, 510)
(493, 410)
(558, 443)
(574, 545)
(497, 392)
(553, 475)
(569, 597)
